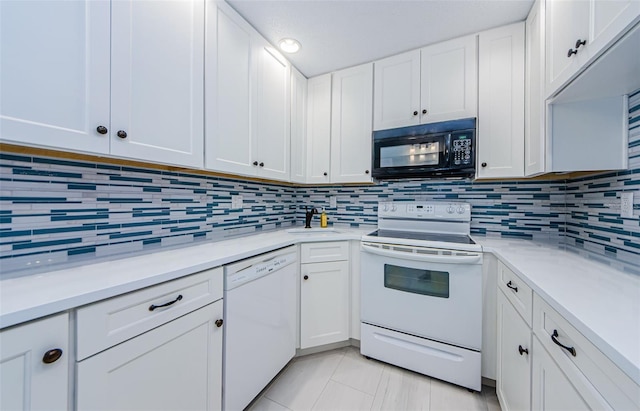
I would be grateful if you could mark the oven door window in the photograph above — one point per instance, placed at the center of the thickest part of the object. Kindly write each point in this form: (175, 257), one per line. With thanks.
(417, 281)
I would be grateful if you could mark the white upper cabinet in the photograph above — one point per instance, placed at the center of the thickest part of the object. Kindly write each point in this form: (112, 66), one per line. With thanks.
(351, 117)
(319, 129)
(55, 61)
(501, 102)
(534, 132)
(449, 80)
(157, 81)
(397, 91)
(123, 78)
(579, 31)
(298, 126)
(228, 60)
(272, 131)
(436, 83)
(247, 99)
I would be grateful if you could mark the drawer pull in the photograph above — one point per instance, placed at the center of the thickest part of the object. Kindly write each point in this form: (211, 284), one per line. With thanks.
(570, 349)
(523, 350)
(52, 356)
(512, 287)
(153, 306)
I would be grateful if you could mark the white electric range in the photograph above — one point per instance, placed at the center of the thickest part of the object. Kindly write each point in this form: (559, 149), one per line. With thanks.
(421, 291)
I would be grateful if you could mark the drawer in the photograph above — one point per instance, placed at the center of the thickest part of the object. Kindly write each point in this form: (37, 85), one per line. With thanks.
(516, 291)
(618, 389)
(321, 252)
(110, 322)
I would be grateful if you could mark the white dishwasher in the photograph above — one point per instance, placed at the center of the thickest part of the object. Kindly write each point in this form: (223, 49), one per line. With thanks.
(260, 323)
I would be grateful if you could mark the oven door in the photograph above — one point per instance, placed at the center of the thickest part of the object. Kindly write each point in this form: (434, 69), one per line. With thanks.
(426, 292)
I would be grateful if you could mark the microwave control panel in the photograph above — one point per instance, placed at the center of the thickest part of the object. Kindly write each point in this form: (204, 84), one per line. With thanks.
(462, 148)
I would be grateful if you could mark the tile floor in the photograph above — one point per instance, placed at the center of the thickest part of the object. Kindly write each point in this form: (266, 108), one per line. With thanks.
(342, 379)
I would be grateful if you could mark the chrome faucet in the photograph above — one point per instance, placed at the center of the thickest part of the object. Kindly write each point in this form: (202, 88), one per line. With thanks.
(308, 215)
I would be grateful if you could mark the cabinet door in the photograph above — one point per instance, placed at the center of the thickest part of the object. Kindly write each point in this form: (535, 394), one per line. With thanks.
(55, 73)
(396, 91)
(26, 382)
(534, 115)
(448, 81)
(324, 303)
(609, 19)
(351, 116)
(175, 366)
(272, 131)
(157, 81)
(298, 126)
(553, 390)
(513, 385)
(501, 102)
(229, 123)
(318, 129)
(566, 22)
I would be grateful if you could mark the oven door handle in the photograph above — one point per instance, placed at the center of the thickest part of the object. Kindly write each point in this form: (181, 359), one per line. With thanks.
(468, 259)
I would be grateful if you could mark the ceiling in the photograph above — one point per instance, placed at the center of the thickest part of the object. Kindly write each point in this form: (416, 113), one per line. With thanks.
(336, 34)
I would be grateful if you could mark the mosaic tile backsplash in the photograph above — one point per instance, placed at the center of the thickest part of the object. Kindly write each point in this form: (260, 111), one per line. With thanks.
(53, 209)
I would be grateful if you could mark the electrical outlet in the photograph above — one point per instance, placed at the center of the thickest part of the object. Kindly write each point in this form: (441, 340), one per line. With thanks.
(333, 202)
(626, 205)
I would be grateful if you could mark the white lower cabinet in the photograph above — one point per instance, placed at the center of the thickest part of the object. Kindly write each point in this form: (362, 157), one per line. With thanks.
(513, 385)
(553, 390)
(175, 366)
(34, 365)
(324, 303)
(544, 363)
(324, 293)
(158, 348)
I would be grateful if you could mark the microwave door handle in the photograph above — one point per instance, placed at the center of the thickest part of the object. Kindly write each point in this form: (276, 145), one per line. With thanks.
(427, 258)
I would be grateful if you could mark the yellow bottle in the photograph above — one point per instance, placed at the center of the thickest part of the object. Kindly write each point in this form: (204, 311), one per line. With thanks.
(323, 219)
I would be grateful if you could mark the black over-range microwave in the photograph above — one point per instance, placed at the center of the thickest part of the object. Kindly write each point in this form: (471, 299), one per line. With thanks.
(445, 149)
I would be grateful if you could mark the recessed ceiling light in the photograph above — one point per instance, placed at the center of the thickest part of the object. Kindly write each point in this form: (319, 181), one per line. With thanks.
(289, 45)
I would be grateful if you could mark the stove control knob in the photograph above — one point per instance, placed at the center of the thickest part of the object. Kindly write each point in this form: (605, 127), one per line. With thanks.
(385, 207)
(460, 210)
(450, 210)
(394, 208)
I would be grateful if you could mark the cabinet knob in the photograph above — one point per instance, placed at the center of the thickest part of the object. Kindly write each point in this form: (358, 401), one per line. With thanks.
(523, 350)
(483, 164)
(219, 323)
(324, 174)
(580, 43)
(102, 130)
(255, 163)
(52, 356)
(571, 52)
(415, 113)
(306, 277)
(424, 111)
(366, 171)
(261, 164)
(122, 134)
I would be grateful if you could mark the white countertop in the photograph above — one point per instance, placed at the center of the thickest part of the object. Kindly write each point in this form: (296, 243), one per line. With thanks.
(25, 298)
(600, 300)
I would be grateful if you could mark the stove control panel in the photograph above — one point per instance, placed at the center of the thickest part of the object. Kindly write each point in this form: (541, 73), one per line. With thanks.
(425, 210)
